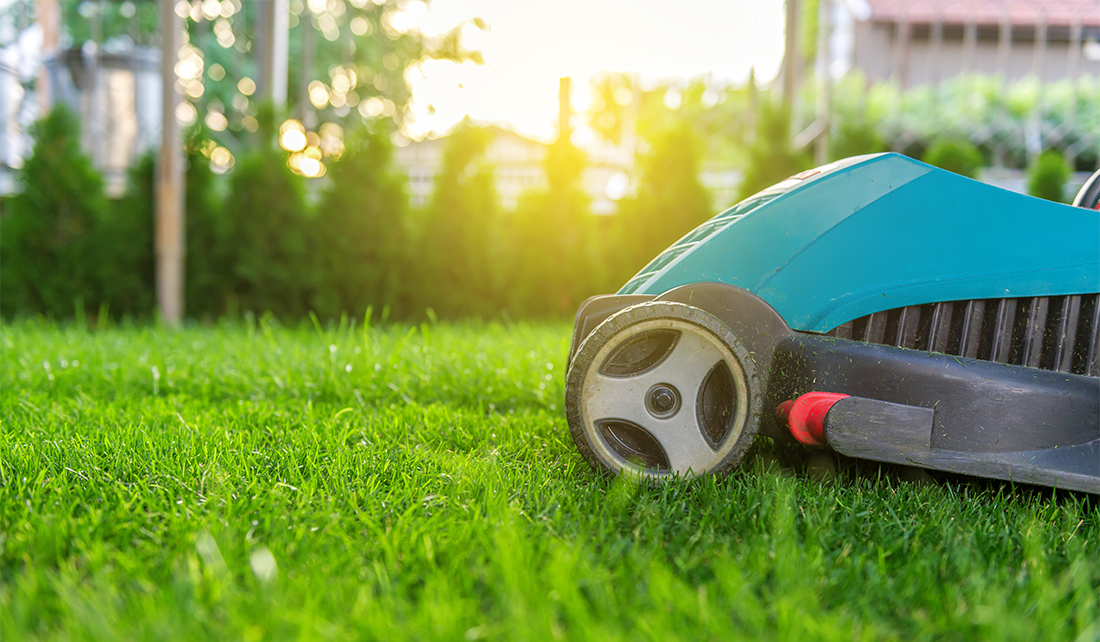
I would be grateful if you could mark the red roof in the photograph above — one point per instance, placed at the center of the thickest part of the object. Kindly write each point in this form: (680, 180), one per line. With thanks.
(1019, 12)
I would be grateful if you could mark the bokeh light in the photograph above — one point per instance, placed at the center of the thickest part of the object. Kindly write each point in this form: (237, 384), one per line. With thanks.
(292, 136)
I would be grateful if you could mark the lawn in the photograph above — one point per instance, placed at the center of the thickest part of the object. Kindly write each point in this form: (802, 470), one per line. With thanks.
(255, 482)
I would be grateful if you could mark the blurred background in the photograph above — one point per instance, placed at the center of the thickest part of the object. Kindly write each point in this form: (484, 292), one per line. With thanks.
(198, 159)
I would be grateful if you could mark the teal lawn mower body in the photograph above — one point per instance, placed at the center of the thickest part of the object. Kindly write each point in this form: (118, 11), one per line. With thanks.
(877, 306)
(874, 233)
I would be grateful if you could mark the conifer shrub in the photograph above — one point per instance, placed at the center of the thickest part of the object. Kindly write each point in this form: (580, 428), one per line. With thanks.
(770, 157)
(209, 277)
(669, 202)
(456, 267)
(360, 230)
(123, 252)
(47, 254)
(1047, 176)
(270, 229)
(855, 137)
(955, 155)
(549, 261)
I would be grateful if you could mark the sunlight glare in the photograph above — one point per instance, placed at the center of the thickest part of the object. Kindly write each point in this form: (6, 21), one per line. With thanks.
(529, 46)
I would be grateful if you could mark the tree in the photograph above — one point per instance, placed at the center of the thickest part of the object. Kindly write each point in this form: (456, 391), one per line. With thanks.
(771, 157)
(1047, 176)
(361, 229)
(123, 246)
(550, 239)
(270, 229)
(853, 137)
(458, 262)
(955, 155)
(209, 259)
(46, 257)
(670, 201)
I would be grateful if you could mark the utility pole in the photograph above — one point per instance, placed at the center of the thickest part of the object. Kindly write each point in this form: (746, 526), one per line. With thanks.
(790, 53)
(273, 47)
(170, 196)
(305, 108)
(825, 82)
(49, 18)
(565, 109)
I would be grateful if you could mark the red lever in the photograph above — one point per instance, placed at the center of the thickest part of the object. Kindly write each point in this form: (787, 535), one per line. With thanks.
(805, 416)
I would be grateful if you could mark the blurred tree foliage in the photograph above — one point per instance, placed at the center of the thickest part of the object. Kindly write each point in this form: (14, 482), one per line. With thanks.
(721, 117)
(123, 240)
(770, 156)
(615, 104)
(954, 155)
(457, 263)
(49, 230)
(263, 239)
(360, 230)
(210, 246)
(136, 21)
(356, 49)
(669, 201)
(853, 137)
(270, 229)
(1047, 176)
(550, 253)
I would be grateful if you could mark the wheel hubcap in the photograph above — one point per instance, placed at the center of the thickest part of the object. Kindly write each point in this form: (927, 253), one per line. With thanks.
(664, 397)
(663, 400)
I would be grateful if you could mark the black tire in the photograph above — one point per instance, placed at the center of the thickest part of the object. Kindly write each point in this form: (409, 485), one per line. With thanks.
(1088, 196)
(619, 373)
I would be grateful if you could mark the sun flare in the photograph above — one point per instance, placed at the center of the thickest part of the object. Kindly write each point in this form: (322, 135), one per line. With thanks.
(528, 46)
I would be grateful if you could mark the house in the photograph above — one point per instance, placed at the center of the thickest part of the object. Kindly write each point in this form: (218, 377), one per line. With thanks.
(917, 42)
(518, 167)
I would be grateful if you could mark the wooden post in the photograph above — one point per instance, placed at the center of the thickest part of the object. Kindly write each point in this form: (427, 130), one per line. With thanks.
(790, 53)
(565, 109)
(904, 34)
(1073, 65)
(170, 197)
(1004, 46)
(49, 18)
(1039, 56)
(273, 47)
(970, 46)
(825, 81)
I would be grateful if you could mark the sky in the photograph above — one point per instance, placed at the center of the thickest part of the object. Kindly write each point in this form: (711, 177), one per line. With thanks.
(530, 44)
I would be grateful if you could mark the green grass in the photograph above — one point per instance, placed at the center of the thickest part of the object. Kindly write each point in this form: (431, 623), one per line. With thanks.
(257, 482)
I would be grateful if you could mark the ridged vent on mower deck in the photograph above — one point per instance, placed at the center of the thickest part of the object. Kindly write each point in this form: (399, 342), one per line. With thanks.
(1059, 333)
(694, 238)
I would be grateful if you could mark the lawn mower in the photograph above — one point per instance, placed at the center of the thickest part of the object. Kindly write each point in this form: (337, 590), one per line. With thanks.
(878, 307)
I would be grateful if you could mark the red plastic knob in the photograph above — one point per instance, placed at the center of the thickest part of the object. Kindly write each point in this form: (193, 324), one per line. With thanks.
(805, 416)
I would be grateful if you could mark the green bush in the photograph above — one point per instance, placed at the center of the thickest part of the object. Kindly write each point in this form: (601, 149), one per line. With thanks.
(670, 201)
(208, 263)
(47, 254)
(458, 261)
(1047, 176)
(123, 246)
(854, 137)
(770, 157)
(549, 240)
(360, 230)
(270, 229)
(954, 155)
